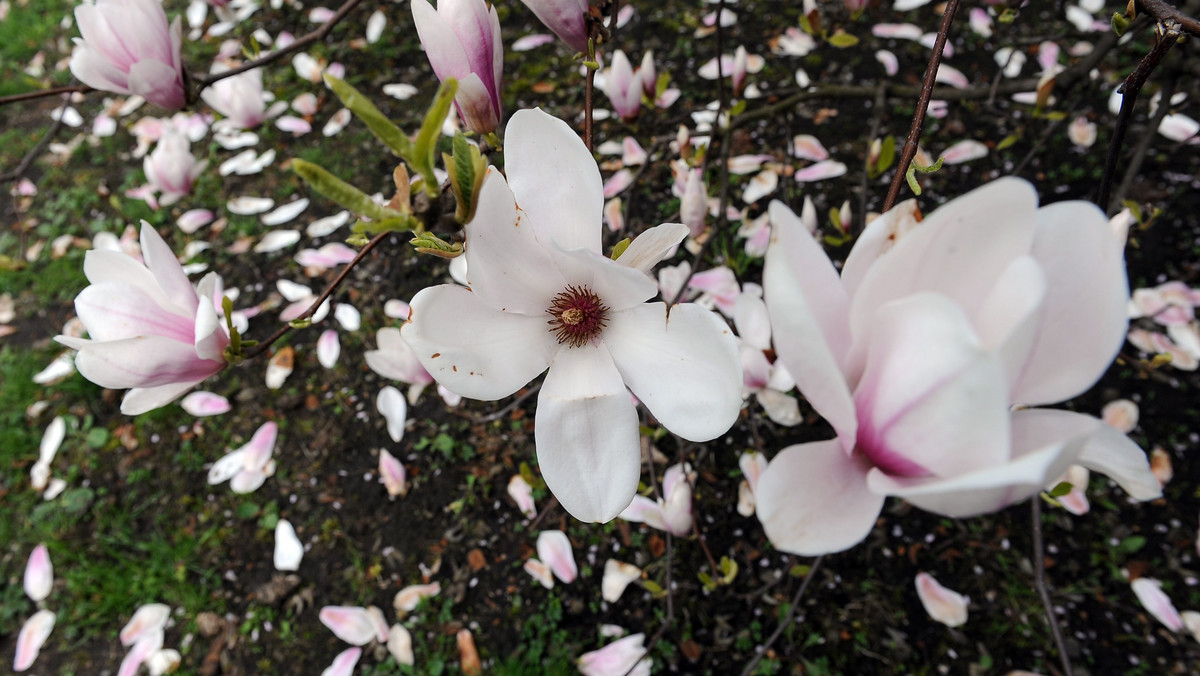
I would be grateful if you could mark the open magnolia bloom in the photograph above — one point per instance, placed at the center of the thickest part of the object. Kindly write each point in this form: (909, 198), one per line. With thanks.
(150, 329)
(923, 352)
(541, 295)
(128, 48)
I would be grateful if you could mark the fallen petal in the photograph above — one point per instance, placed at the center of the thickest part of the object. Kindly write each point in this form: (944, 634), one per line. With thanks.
(147, 619)
(399, 644)
(408, 598)
(554, 548)
(943, 605)
(522, 494)
(328, 348)
(468, 655)
(39, 574)
(344, 663)
(394, 408)
(201, 404)
(352, 624)
(288, 548)
(33, 635)
(1157, 603)
(392, 472)
(617, 576)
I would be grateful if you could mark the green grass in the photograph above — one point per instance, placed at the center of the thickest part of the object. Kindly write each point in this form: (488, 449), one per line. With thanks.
(27, 30)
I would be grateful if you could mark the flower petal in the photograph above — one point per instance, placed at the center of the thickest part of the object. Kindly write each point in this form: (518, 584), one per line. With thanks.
(1087, 293)
(652, 246)
(554, 549)
(32, 637)
(683, 365)
(288, 548)
(813, 499)
(39, 574)
(352, 624)
(473, 349)
(586, 434)
(617, 576)
(394, 409)
(343, 664)
(809, 310)
(399, 645)
(393, 474)
(1110, 452)
(944, 605)
(201, 404)
(1154, 600)
(555, 179)
(146, 620)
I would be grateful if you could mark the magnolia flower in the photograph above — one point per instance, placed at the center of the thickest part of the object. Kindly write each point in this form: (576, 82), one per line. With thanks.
(150, 329)
(239, 98)
(673, 511)
(542, 296)
(462, 40)
(127, 48)
(172, 169)
(919, 351)
(566, 18)
(624, 89)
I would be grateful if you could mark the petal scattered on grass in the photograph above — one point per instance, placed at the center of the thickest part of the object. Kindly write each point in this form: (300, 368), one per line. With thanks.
(943, 605)
(288, 549)
(1157, 603)
(32, 637)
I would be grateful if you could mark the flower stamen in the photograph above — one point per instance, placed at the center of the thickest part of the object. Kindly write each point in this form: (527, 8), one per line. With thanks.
(577, 315)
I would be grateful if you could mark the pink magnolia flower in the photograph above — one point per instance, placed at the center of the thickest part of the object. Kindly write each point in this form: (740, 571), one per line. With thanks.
(172, 169)
(462, 40)
(565, 18)
(918, 352)
(624, 89)
(239, 98)
(150, 329)
(127, 48)
(541, 295)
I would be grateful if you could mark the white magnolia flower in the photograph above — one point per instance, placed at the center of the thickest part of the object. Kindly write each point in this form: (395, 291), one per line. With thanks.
(541, 295)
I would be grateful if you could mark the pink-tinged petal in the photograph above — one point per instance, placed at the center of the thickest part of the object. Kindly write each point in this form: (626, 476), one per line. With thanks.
(617, 576)
(167, 271)
(586, 431)
(964, 151)
(1121, 415)
(410, 597)
(617, 183)
(1008, 319)
(522, 494)
(344, 663)
(158, 82)
(764, 183)
(1178, 127)
(820, 171)
(683, 365)
(809, 147)
(147, 620)
(142, 650)
(565, 18)
(39, 574)
(328, 348)
(1087, 295)
(116, 311)
(1045, 443)
(145, 361)
(891, 65)
(395, 359)
(546, 162)
(352, 624)
(554, 548)
(508, 268)
(619, 658)
(1115, 455)
(943, 605)
(381, 625)
(288, 549)
(1075, 501)
(225, 468)
(752, 322)
(139, 400)
(32, 637)
(644, 510)
(653, 246)
(473, 349)
(997, 221)
(753, 464)
(531, 41)
(194, 219)
(201, 404)
(392, 472)
(952, 76)
(903, 31)
(540, 572)
(981, 22)
(813, 499)
(809, 319)
(399, 645)
(394, 408)
(297, 126)
(261, 445)
(1149, 592)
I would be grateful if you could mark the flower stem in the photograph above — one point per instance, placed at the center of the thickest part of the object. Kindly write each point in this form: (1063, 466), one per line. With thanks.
(1039, 581)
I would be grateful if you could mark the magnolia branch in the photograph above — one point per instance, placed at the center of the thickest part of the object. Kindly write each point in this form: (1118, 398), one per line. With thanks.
(918, 123)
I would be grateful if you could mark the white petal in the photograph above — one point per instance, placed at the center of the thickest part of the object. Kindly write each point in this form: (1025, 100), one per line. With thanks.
(522, 494)
(276, 240)
(343, 664)
(408, 598)
(202, 404)
(1111, 453)
(247, 206)
(285, 213)
(39, 574)
(617, 576)
(586, 434)
(399, 645)
(288, 548)
(683, 365)
(820, 171)
(52, 438)
(394, 408)
(540, 572)
(146, 620)
(944, 605)
(328, 348)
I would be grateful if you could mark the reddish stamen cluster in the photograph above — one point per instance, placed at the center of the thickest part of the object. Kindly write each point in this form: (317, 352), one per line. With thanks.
(577, 315)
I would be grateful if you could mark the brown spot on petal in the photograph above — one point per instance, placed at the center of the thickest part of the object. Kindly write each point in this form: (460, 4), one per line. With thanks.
(435, 355)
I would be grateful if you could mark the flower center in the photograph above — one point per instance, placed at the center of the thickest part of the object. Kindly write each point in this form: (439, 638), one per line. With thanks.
(577, 315)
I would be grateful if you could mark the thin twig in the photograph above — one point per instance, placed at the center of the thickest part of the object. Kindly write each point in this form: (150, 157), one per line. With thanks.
(918, 123)
(43, 93)
(1134, 164)
(1168, 33)
(301, 42)
(1039, 581)
(1164, 12)
(787, 619)
(23, 165)
(337, 281)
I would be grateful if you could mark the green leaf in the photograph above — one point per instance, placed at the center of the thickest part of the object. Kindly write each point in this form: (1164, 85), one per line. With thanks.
(97, 437)
(247, 510)
(431, 129)
(1061, 489)
(377, 122)
(1009, 140)
(887, 154)
(341, 192)
(619, 248)
(843, 40)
